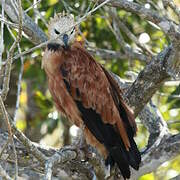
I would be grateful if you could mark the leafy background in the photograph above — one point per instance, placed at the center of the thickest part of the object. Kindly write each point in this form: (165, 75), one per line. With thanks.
(37, 116)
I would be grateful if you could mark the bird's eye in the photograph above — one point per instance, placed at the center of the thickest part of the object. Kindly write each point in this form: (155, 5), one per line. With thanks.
(72, 30)
(57, 32)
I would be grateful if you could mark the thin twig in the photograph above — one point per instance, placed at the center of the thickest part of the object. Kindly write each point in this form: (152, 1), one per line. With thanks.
(19, 85)
(67, 7)
(116, 31)
(5, 116)
(5, 146)
(37, 12)
(10, 56)
(130, 52)
(90, 12)
(175, 8)
(153, 4)
(4, 174)
(32, 6)
(2, 34)
(5, 21)
(88, 8)
(19, 78)
(134, 38)
(169, 95)
(170, 122)
(7, 81)
(32, 49)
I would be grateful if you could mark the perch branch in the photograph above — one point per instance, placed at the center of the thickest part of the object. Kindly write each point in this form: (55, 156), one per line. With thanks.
(166, 150)
(56, 159)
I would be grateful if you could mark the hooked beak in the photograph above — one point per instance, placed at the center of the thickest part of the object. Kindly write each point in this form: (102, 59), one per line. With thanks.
(65, 40)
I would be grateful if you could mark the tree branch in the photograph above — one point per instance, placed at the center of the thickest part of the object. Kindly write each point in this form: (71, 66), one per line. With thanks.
(34, 33)
(169, 27)
(149, 80)
(167, 149)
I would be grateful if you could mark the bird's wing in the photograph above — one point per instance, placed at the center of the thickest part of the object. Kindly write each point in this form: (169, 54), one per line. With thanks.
(51, 62)
(125, 111)
(90, 89)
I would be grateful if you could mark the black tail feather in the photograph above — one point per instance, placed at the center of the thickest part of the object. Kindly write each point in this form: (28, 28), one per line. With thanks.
(123, 158)
(134, 155)
(119, 156)
(107, 135)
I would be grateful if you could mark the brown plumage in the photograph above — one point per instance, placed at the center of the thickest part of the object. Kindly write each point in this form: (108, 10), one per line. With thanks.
(87, 94)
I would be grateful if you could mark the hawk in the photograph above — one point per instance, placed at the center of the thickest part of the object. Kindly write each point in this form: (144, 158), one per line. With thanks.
(84, 91)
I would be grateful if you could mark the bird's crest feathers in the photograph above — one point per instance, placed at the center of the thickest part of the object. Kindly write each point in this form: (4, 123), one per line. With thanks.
(60, 24)
(59, 16)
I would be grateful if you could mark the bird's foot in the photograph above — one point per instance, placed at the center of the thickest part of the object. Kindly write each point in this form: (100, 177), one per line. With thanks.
(81, 142)
(107, 171)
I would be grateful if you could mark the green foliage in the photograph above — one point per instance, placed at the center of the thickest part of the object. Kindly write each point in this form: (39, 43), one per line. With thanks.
(174, 102)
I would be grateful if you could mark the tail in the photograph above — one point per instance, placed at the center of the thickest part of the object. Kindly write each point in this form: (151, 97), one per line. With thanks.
(118, 153)
(123, 158)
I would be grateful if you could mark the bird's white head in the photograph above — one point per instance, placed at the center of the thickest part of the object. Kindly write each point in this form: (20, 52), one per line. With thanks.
(61, 29)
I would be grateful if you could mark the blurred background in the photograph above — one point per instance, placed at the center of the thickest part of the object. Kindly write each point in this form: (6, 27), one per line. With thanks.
(38, 118)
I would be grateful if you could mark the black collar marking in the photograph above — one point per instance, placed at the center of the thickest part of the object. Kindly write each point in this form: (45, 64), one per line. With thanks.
(53, 46)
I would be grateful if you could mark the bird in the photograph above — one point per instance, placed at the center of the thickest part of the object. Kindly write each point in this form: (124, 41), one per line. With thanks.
(87, 94)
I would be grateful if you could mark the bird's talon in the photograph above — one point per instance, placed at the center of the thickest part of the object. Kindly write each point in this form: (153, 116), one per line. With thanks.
(107, 171)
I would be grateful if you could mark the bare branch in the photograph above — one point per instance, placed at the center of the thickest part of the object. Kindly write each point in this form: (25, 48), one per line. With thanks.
(28, 144)
(171, 4)
(56, 159)
(35, 34)
(9, 23)
(155, 124)
(4, 174)
(168, 26)
(20, 76)
(149, 80)
(10, 57)
(167, 149)
(36, 11)
(110, 54)
(5, 116)
(2, 34)
(134, 38)
(19, 85)
(117, 25)
(32, 6)
(5, 146)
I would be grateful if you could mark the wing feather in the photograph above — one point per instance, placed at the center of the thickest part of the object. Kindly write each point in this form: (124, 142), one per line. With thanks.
(125, 111)
(85, 74)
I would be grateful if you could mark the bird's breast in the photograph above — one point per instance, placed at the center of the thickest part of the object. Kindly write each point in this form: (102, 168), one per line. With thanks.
(52, 60)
